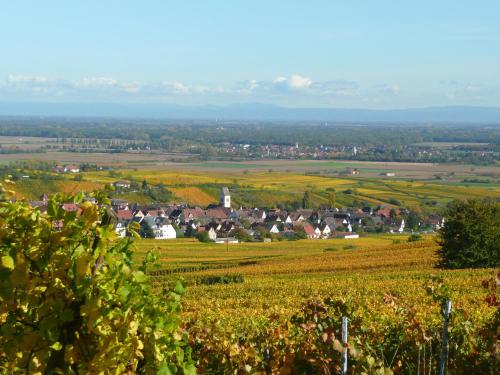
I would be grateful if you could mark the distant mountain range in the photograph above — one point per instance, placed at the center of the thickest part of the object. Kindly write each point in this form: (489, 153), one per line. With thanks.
(260, 112)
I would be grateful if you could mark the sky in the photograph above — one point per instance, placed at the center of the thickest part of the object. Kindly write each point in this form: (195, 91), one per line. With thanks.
(377, 54)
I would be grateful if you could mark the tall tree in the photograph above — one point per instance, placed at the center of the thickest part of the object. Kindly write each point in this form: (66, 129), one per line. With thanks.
(146, 230)
(413, 220)
(470, 237)
(332, 199)
(307, 200)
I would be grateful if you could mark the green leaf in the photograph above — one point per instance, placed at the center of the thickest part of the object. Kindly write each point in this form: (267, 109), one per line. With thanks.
(52, 208)
(63, 284)
(8, 262)
(167, 369)
(190, 369)
(179, 288)
(123, 292)
(56, 346)
(140, 277)
(78, 197)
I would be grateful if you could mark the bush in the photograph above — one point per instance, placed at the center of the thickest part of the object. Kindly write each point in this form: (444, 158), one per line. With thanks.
(470, 237)
(349, 247)
(415, 237)
(327, 249)
(241, 234)
(203, 237)
(72, 301)
(226, 279)
(394, 202)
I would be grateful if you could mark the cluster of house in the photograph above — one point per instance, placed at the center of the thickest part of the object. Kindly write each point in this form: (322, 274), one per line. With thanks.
(285, 151)
(223, 224)
(69, 168)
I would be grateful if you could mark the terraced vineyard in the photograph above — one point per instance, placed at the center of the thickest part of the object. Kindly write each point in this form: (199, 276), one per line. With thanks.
(383, 284)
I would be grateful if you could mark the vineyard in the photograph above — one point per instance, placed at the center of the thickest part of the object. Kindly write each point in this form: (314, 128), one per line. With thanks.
(277, 307)
(252, 188)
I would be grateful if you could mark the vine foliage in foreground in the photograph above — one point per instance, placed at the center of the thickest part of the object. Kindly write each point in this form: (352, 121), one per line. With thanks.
(71, 300)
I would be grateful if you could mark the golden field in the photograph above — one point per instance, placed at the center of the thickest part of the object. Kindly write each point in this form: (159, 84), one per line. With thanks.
(271, 188)
(279, 277)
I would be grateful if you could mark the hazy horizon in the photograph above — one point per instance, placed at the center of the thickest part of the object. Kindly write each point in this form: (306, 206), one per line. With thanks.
(254, 111)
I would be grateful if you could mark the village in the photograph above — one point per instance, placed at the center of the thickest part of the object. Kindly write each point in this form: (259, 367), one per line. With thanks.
(224, 224)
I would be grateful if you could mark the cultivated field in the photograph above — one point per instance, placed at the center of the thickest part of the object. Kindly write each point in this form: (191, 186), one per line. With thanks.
(134, 159)
(283, 275)
(123, 160)
(270, 188)
(388, 288)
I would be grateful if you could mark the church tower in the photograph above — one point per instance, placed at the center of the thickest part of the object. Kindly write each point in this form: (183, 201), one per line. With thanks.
(225, 198)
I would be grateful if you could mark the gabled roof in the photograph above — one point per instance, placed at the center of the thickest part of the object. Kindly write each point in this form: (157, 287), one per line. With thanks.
(195, 213)
(156, 221)
(119, 202)
(270, 226)
(309, 230)
(306, 213)
(216, 213)
(385, 212)
(156, 212)
(124, 215)
(295, 216)
(273, 217)
(341, 215)
(175, 213)
(150, 220)
(322, 227)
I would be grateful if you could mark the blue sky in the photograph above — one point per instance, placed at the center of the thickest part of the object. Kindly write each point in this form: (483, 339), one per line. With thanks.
(362, 54)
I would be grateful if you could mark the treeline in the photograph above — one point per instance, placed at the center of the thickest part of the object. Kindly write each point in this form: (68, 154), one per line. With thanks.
(251, 140)
(166, 133)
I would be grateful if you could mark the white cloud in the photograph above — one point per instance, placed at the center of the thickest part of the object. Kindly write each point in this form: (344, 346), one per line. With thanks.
(14, 79)
(96, 82)
(337, 88)
(391, 89)
(131, 88)
(295, 82)
(253, 84)
(299, 82)
(473, 89)
(27, 84)
(394, 89)
(455, 90)
(293, 89)
(176, 87)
